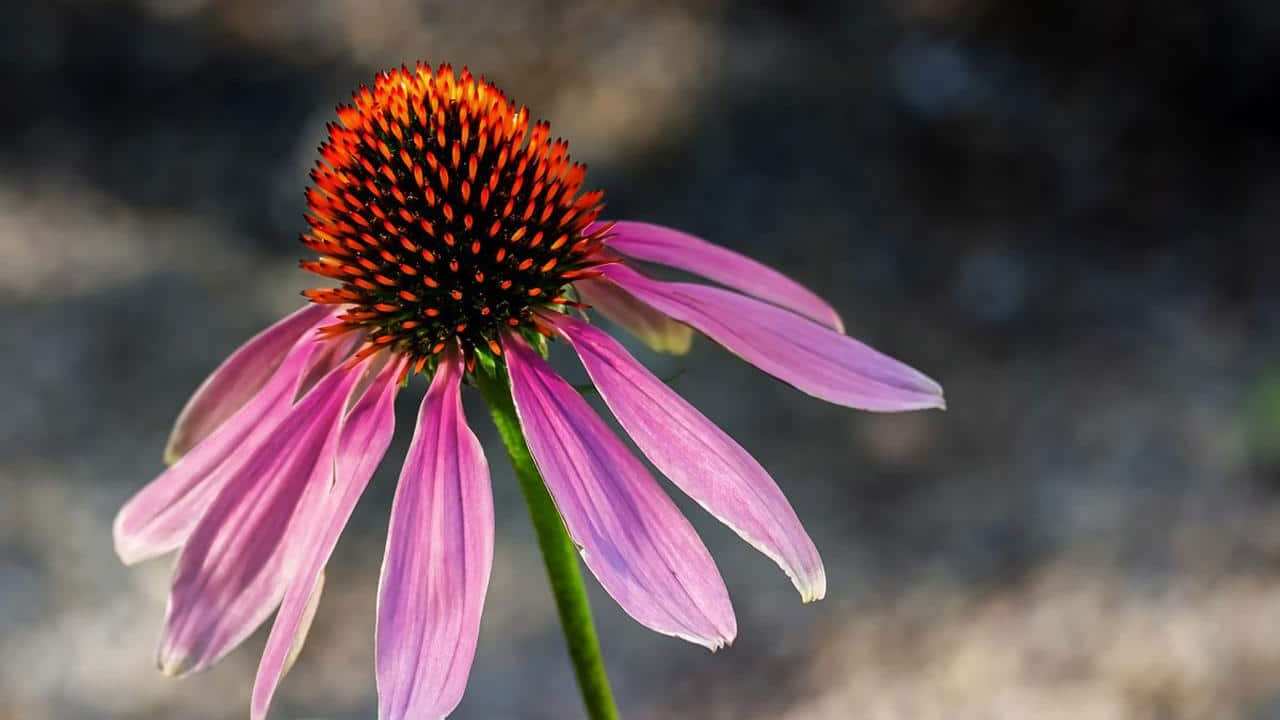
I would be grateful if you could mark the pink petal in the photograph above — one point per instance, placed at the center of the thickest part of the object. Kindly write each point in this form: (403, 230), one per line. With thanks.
(238, 379)
(363, 440)
(439, 554)
(657, 244)
(159, 518)
(234, 568)
(654, 329)
(697, 456)
(630, 534)
(816, 360)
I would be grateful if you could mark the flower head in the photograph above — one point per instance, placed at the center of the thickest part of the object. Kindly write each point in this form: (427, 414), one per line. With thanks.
(457, 233)
(445, 215)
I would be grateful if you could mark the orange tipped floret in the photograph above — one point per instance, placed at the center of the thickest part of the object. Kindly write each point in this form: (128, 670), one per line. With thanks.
(431, 169)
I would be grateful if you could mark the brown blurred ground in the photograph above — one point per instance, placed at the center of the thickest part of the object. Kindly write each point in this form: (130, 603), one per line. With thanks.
(1065, 212)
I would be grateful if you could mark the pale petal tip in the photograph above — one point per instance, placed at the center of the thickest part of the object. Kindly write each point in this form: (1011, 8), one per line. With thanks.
(940, 399)
(130, 547)
(174, 665)
(726, 633)
(722, 642)
(714, 637)
(813, 588)
(929, 393)
(171, 452)
(714, 643)
(934, 401)
(175, 658)
(810, 583)
(128, 551)
(120, 545)
(129, 555)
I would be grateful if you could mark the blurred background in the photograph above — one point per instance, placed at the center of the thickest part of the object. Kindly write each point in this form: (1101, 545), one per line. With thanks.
(1064, 211)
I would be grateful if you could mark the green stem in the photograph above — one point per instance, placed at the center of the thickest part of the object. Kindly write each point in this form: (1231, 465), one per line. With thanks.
(558, 552)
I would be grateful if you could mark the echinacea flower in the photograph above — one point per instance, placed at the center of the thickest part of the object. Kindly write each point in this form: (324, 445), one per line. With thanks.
(461, 243)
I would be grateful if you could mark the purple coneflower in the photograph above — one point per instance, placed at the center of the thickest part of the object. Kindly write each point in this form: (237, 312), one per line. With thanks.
(461, 242)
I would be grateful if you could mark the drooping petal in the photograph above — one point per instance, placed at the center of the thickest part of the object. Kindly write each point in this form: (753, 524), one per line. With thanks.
(439, 554)
(700, 458)
(160, 517)
(234, 568)
(659, 332)
(665, 246)
(362, 441)
(238, 379)
(632, 537)
(816, 360)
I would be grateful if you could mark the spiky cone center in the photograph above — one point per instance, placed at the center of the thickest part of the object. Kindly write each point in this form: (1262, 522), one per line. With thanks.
(444, 215)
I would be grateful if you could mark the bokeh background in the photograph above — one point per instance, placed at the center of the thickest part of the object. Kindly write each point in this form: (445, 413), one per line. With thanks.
(1064, 211)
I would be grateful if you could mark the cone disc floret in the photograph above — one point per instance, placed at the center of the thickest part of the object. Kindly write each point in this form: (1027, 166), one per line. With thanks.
(444, 215)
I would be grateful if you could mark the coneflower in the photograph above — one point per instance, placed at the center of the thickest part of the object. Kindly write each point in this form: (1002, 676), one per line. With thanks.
(461, 242)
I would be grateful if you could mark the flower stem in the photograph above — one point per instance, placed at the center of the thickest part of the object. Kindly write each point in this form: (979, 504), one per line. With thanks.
(558, 552)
